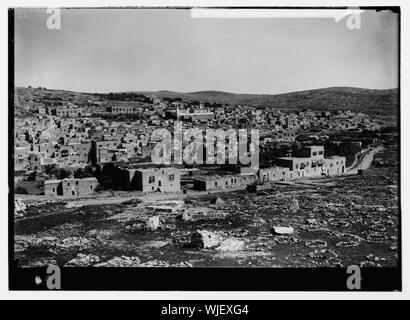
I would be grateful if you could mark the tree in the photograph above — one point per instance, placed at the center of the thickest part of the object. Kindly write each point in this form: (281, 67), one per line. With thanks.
(32, 176)
(108, 184)
(62, 174)
(20, 190)
(50, 169)
(83, 173)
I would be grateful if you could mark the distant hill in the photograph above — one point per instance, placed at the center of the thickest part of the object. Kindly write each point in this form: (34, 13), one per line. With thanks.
(373, 102)
(376, 102)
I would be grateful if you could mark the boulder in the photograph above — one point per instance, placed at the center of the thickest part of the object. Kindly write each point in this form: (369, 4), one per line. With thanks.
(19, 208)
(205, 239)
(218, 201)
(152, 223)
(294, 205)
(186, 216)
(311, 221)
(283, 230)
(19, 205)
(231, 245)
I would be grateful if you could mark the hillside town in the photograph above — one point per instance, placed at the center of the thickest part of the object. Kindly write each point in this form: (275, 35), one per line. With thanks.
(85, 182)
(69, 146)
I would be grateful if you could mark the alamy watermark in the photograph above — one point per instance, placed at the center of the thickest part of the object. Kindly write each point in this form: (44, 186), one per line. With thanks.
(209, 146)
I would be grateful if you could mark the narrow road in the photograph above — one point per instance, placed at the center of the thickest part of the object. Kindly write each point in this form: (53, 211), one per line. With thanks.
(364, 160)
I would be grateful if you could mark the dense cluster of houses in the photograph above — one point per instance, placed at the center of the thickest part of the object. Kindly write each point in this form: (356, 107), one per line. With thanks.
(65, 134)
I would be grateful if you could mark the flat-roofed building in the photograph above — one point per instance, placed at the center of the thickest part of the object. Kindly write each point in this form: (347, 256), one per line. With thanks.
(69, 111)
(217, 182)
(157, 179)
(70, 187)
(121, 107)
(273, 174)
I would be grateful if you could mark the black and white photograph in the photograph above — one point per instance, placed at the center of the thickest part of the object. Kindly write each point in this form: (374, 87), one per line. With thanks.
(185, 139)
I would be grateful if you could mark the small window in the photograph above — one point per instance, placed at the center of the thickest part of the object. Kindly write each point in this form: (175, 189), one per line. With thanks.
(216, 183)
(91, 187)
(315, 153)
(54, 189)
(171, 177)
(68, 183)
(76, 182)
(320, 152)
(151, 179)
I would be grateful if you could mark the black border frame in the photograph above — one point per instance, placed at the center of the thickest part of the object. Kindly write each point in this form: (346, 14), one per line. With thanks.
(197, 279)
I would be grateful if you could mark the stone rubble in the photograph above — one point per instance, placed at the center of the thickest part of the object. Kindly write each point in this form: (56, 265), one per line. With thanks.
(122, 261)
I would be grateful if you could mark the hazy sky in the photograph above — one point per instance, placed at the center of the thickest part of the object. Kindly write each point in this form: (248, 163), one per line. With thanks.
(108, 50)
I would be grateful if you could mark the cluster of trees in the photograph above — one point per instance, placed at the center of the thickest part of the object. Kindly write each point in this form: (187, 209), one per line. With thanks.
(128, 96)
(60, 173)
(348, 150)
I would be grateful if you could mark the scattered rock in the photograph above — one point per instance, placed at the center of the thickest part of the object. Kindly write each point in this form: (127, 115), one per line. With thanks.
(218, 201)
(236, 233)
(19, 208)
(311, 221)
(159, 263)
(100, 233)
(83, 260)
(322, 254)
(316, 243)
(152, 223)
(367, 263)
(77, 242)
(231, 245)
(283, 230)
(122, 261)
(73, 204)
(42, 263)
(294, 205)
(349, 243)
(285, 240)
(185, 216)
(314, 224)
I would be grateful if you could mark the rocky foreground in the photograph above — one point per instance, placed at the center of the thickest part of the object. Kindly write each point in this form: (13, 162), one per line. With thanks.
(314, 223)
